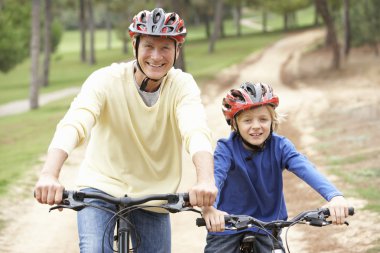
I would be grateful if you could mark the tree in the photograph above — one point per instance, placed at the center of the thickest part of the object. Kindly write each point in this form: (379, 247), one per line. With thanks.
(15, 33)
(218, 16)
(237, 16)
(287, 8)
(323, 10)
(365, 23)
(204, 10)
(82, 28)
(180, 62)
(123, 11)
(47, 42)
(91, 24)
(34, 54)
(347, 28)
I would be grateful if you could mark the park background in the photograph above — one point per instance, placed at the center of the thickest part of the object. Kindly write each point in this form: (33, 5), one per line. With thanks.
(86, 35)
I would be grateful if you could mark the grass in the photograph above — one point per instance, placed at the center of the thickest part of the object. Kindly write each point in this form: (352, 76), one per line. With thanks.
(68, 71)
(351, 153)
(25, 137)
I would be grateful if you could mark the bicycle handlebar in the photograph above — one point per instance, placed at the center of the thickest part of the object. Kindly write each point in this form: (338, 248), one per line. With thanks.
(314, 218)
(74, 200)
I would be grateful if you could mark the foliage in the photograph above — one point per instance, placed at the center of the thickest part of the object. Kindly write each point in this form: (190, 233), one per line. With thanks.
(56, 35)
(365, 22)
(15, 32)
(285, 6)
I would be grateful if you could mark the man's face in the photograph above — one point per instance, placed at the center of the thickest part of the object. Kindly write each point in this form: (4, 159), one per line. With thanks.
(156, 55)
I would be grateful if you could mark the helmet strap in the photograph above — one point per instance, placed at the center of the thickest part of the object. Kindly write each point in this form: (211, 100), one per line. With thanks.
(144, 83)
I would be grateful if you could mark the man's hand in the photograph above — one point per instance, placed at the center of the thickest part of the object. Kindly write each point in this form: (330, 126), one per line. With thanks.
(203, 194)
(48, 190)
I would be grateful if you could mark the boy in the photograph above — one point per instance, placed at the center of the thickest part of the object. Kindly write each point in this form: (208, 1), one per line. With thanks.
(249, 166)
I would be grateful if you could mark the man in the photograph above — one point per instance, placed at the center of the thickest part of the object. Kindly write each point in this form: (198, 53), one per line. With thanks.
(139, 114)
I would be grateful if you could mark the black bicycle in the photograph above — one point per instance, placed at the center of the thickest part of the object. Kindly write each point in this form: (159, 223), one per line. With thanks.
(173, 203)
(272, 229)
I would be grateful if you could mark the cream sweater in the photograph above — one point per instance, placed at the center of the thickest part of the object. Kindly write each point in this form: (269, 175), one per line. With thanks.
(133, 149)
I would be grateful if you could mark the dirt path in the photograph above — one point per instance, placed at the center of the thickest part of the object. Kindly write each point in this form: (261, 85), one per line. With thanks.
(22, 105)
(31, 227)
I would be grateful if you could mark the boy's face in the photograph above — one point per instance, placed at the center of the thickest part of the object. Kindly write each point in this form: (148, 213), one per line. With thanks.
(254, 125)
(156, 55)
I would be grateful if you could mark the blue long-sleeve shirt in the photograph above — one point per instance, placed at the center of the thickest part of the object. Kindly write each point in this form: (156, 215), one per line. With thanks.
(252, 183)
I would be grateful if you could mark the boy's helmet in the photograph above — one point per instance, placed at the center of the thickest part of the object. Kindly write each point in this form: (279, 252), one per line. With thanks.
(158, 23)
(247, 96)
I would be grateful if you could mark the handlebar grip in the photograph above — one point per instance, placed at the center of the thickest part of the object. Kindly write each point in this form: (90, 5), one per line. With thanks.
(65, 194)
(351, 211)
(186, 197)
(201, 222)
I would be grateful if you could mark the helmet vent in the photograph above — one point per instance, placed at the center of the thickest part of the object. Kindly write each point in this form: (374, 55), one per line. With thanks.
(156, 18)
(171, 20)
(238, 96)
(251, 91)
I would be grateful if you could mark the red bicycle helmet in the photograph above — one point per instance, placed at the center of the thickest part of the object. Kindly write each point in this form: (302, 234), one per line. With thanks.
(158, 23)
(247, 96)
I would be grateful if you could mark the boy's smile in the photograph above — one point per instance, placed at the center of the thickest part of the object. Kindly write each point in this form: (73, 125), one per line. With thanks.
(254, 125)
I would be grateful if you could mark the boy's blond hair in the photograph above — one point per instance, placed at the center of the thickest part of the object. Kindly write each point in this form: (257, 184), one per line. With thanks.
(275, 117)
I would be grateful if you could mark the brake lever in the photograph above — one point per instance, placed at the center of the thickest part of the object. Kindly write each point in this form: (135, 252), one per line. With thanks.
(240, 222)
(318, 219)
(71, 203)
(178, 204)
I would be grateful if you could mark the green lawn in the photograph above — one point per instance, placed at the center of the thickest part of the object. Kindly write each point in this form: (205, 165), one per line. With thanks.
(25, 137)
(67, 70)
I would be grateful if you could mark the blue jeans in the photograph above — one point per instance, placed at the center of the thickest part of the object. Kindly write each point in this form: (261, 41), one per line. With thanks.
(96, 229)
(231, 243)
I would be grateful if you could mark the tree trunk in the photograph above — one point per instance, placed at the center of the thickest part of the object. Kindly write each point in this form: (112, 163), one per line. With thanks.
(180, 62)
(34, 54)
(108, 26)
(347, 28)
(324, 11)
(47, 43)
(265, 20)
(238, 18)
(83, 28)
(159, 3)
(217, 25)
(207, 25)
(125, 42)
(286, 19)
(91, 23)
(316, 16)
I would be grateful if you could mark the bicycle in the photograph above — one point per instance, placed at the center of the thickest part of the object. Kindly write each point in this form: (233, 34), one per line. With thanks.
(315, 217)
(174, 203)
